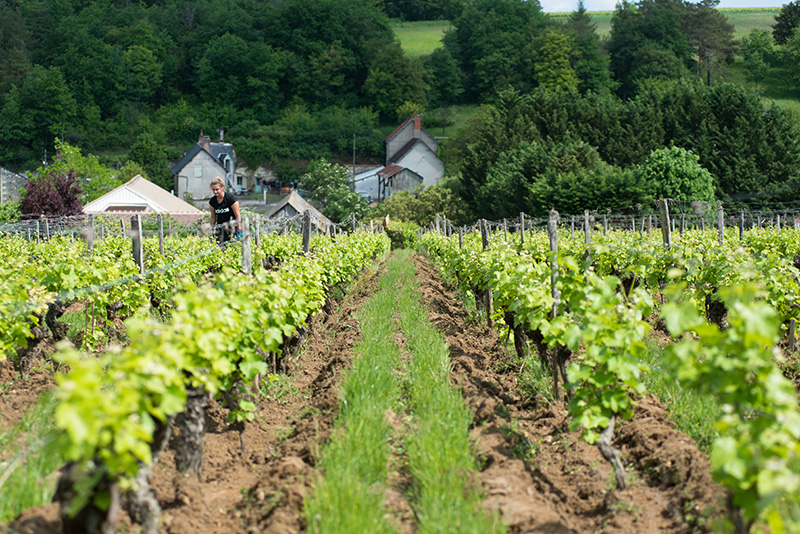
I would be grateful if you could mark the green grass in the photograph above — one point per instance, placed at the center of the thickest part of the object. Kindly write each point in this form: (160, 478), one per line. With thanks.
(695, 415)
(420, 38)
(436, 446)
(27, 462)
(355, 462)
(440, 454)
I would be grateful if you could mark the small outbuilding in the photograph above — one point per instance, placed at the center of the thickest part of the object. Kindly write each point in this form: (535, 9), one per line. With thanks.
(142, 196)
(293, 204)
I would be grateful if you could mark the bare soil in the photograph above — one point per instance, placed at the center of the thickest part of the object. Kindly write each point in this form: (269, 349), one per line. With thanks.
(541, 477)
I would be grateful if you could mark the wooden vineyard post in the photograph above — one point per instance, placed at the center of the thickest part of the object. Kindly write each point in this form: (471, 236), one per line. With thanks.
(258, 232)
(487, 295)
(587, 233)
(683, 223)
(247, 258)
(521, 230)
(792, 335)
(633, 223)
(460, 237)
(47, 228)
(721, 225)
(605, 224)
(122, 226)
(307, 231)
(666, 235)
(571, 226)
(438, 226)
(553, 357)
(38, 232)
(90, 235)
(649, 225)
(741, 224)
(161, 234)
(136, 240)
(778, 222)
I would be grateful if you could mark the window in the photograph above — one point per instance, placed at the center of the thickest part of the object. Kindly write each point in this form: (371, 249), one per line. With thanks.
(239, 181)
(198, 170)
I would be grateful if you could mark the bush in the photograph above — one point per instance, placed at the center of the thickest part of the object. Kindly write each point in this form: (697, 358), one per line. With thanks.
(403, 234)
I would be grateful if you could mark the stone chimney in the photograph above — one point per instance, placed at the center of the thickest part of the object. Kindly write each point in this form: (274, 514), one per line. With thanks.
(417, 123)
(205, 141)
(221, 135)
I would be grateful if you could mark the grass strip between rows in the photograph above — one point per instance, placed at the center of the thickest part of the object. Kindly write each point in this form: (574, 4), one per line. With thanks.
(440, 454)
(350, 498)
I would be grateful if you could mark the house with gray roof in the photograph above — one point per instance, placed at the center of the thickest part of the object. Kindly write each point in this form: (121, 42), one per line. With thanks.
(203, 162)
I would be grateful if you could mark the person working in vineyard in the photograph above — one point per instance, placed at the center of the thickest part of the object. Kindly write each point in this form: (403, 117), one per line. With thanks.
(224, 207)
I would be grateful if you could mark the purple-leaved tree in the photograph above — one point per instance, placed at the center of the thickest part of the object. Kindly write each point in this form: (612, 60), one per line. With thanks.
(53, 195)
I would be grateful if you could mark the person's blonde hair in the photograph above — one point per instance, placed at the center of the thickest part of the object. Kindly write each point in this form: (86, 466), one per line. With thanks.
(218, 181)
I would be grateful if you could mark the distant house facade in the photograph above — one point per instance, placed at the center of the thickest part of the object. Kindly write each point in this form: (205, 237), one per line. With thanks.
(411, 161)
(10, 185)
(293, 204)
(203, 162)
(139, 195)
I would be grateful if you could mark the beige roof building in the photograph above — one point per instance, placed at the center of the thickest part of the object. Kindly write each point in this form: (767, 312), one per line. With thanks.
(293, 204)
(140, 195)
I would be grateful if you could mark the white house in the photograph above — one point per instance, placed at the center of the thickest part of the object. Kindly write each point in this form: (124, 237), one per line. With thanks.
(139, 195)
(203, 162)
(411, 161)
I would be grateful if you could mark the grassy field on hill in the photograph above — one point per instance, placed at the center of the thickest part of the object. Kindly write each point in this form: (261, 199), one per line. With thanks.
(420, 38)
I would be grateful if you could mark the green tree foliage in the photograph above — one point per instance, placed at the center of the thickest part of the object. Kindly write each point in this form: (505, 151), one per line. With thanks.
(552, 67)
(647, 41)
(392, 79)
(591, 61)
(148, 152)
(493, 43)
(676, 173)
(421, 206)
(92, 178)
(757, 50)
(36, 112)
(786, 22)
(10, 211)
(570, 177)
(328, 184)
(444, 79)
(423, 9)
(749, 148)
(709, 33)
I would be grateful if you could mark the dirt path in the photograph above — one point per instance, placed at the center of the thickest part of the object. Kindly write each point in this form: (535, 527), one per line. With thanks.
(540, 476)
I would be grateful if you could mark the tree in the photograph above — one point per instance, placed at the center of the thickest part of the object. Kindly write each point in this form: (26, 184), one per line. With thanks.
(552, 65)
(591, 63)
(444, 79)
(33, 114)
(392, 78)
(92, 178)
(150, 154)
(328, 184)
(786, 22)
(493, 42)
(709, 33)
(756, 49)
(647, 41)
(54, 195)
(676, 173)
